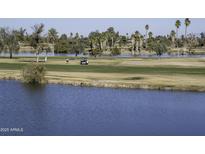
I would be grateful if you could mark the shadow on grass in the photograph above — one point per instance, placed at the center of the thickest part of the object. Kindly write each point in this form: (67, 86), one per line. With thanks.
(135, 78)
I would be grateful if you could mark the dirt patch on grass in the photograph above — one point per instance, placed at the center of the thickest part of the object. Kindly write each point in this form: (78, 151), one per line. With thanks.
(135, 78)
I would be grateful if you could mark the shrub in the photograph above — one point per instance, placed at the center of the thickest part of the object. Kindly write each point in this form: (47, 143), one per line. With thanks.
(160, 48)
(115, 51)
(34, 74)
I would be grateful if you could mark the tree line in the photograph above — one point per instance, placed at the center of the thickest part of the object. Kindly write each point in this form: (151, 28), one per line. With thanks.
(96, 43)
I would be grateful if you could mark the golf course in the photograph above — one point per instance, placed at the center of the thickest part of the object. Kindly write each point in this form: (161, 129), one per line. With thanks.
(147, 73)
(137, 59)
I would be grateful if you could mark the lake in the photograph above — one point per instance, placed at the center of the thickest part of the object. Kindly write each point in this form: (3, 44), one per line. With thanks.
(123, 55)
(67, 110)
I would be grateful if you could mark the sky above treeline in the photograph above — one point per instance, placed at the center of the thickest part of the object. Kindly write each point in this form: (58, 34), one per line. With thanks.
(159, 26)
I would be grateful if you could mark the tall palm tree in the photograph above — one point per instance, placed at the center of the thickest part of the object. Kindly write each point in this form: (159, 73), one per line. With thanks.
(71, 35)
(127, 35)
(92, 40)
(136, 37)
(150, 41)
(177, 25)
(146, 29)
(141, 40)
(103, 39)
(133, 44)
(187, 22)
(173, 35)
(110, 36)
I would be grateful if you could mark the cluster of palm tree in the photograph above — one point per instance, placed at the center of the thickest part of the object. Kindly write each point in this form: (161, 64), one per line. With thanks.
(96, 43)
(174, 41)
(104, 41)
(187, 22)
(137, 41)
(188, 41)
(110, 40)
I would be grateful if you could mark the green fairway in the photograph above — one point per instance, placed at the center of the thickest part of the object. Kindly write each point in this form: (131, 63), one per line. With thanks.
(112, 69)
(126, 69)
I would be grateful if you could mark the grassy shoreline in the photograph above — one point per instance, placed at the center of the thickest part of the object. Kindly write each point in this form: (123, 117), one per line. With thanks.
(117, 85)
(187, 74)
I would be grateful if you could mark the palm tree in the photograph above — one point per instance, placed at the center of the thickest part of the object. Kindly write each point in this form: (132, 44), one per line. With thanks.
(187, 22)
(150, 41)
(136, 37)
(77, 35)
(173, 34)
(133, 44)
(110, 36)
(177, 25)
(150, 34)
(146, 29)
(127, 35)
(141, 39)
(71, 35)
(103, 39)
(92, 40)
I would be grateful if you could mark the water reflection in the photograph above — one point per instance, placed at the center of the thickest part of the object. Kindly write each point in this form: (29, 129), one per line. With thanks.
(36, 97)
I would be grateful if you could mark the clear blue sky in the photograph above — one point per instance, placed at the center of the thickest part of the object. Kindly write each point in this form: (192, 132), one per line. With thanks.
(159, 26)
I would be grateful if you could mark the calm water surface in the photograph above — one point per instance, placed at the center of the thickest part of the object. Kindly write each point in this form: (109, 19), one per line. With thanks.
(67, 110)
(123, 55)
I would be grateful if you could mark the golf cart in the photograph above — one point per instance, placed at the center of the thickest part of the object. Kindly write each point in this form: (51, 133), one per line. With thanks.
(84, 61)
